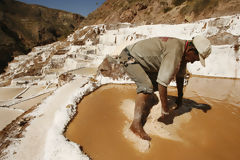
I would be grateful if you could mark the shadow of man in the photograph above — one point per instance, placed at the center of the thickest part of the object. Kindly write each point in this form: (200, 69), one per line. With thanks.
(187, 106)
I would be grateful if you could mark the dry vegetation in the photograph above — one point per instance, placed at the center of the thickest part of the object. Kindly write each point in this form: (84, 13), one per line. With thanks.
(160, 11)
(197, 6)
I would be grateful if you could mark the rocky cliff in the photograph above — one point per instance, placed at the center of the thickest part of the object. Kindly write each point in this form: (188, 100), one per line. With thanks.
(160, 11)
(24, 26)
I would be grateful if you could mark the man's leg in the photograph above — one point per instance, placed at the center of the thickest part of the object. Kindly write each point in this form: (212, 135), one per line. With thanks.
(145, 98)
(151, 101)
(143, 105)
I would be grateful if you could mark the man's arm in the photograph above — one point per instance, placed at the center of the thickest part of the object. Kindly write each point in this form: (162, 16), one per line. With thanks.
(179, 81)
(163, 97)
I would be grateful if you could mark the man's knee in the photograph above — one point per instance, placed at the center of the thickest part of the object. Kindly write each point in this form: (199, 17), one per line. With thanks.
(146, 88)
(148, 99)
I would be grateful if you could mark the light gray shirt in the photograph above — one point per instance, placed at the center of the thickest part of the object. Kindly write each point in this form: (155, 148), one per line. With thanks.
(162, 55)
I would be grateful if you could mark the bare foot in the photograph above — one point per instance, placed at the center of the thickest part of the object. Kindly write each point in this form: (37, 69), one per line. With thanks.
(139, 131)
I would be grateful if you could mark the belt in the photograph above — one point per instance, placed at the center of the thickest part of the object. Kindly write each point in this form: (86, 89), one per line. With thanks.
(128, 53)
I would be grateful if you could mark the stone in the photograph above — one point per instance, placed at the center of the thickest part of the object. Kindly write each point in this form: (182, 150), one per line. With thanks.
(110, 67)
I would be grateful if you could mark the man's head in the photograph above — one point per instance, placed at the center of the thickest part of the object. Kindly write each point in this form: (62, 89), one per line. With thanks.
(191, 53)
(198, 49)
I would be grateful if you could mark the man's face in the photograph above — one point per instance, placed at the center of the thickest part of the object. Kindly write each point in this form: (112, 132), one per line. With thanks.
(191, 55)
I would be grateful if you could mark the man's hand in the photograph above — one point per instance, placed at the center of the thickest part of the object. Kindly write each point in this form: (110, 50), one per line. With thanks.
(163, 97)
(180, 81)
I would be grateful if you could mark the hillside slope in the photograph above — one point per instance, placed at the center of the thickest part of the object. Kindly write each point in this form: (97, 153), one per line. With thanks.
(24, 26)
(160, 11)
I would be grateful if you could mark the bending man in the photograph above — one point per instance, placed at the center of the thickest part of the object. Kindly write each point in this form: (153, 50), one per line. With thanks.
(152, 64)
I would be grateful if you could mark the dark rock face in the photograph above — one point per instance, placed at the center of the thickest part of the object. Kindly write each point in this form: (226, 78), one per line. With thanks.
(24, 26)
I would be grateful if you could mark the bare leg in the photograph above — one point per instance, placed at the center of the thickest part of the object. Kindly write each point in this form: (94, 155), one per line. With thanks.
(143, 105)
(163, 97)
(151, 101)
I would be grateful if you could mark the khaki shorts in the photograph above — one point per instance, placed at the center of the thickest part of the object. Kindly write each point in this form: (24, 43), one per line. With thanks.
(145, 81)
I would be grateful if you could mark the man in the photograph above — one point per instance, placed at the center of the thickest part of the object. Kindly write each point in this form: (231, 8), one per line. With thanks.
(152, 64)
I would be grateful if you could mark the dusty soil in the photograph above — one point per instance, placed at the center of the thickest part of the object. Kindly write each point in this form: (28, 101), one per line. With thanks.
(211, 130)
(14, 119)
(14, 130)
(26, 105)
(9, 93)
(7, 115)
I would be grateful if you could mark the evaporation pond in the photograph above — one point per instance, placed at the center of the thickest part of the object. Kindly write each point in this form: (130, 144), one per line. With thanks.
(213, 135)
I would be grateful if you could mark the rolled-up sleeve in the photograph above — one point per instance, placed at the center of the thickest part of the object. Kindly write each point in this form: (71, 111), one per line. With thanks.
(169, 66)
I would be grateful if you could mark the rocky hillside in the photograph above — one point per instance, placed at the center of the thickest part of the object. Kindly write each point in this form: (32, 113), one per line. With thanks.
(160, 11)
(24, 26)
(87, 47)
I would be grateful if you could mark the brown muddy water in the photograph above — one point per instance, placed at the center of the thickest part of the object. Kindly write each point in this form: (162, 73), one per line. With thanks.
(212, 135)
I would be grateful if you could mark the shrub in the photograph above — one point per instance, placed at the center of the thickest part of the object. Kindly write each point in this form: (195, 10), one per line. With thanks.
(177, 2)
(165, 10)
(197, 6)
(200, 5)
